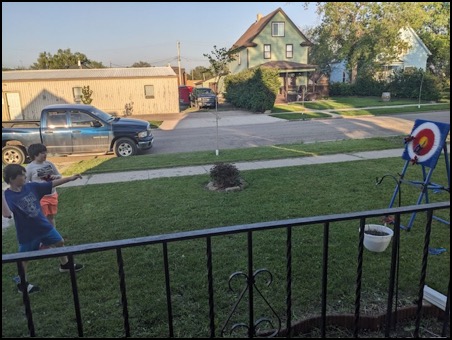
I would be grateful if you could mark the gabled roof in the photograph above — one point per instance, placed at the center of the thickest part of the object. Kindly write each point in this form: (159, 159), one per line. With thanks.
(131, 72)
(246, 40)
(418, 39)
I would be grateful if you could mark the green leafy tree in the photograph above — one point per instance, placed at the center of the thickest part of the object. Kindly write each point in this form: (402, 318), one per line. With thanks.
(432, 23)
(86, 95)
(141, 64)
(366, 34)
(219, 60)
(321, 53)
(362, 33)
(200, 72)
(63, 59)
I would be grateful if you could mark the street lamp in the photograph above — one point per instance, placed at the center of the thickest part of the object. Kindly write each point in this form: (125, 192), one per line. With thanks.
(420, 90)
(432, 69)
(217, 151)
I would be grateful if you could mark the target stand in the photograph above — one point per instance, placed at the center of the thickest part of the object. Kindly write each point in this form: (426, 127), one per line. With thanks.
(424, 147)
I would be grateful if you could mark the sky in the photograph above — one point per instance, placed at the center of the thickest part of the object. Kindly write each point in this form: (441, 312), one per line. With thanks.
(122, 33)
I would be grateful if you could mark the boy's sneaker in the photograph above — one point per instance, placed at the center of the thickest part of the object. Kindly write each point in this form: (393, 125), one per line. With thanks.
(65, 267)
(30, 288)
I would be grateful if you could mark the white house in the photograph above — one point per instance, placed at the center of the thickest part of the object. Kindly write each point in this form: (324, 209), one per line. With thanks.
(415, 57)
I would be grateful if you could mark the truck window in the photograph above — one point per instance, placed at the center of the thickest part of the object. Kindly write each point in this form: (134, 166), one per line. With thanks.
(56, 119)
(81, 119)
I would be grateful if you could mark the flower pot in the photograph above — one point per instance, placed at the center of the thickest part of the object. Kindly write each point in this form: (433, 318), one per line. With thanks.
(377, 243)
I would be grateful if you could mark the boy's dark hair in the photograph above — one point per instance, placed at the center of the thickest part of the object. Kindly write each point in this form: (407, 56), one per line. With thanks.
(11, 171)
(35, 149)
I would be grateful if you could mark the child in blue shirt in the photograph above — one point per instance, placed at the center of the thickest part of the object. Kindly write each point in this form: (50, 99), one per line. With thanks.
(32, 227)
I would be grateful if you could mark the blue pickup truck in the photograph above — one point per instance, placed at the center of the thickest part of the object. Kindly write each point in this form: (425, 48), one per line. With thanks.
(75, 129)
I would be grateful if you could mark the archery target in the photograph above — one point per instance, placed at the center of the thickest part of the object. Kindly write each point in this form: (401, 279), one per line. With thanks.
(426, 142)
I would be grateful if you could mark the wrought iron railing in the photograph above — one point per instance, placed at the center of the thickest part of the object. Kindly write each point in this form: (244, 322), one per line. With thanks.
(276, 325)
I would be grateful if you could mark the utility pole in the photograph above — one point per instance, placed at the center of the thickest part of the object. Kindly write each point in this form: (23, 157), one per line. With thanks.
(178, 62)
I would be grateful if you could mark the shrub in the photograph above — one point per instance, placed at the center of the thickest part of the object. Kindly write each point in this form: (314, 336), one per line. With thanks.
(253, 89)
(225, 175)
(407, 84)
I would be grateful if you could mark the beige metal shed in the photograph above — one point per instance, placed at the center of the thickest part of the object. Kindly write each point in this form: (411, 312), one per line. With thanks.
(119, 91)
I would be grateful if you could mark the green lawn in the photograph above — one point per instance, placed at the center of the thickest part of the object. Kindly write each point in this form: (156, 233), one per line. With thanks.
(100, 165)
(353, 103)
(97, 213)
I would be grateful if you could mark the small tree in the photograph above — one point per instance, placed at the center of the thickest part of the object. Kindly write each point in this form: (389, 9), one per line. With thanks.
(219, 60)
(86, 95)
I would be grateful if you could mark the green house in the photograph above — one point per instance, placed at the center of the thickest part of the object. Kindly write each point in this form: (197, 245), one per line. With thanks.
(275, 41)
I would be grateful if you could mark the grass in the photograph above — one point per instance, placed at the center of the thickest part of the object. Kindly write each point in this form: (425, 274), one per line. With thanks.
(343, 103)
(355, 102)
(382, 111)
(299, 111)
(97, 213)
(102, 165)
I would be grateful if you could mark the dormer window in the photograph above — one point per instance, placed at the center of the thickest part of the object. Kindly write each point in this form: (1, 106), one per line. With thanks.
(277, 29)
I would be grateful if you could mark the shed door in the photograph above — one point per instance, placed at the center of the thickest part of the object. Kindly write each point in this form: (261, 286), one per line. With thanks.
(14, 108)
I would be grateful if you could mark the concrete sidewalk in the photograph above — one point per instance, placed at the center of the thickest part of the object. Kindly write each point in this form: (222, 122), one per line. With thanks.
(242, 166)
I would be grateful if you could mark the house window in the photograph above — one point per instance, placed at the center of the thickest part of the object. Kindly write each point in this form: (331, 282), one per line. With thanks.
(344, 77)
(267, 51)
(277, 29)
(289, 51)
(77, 92)
(149, 91)
(239, 60)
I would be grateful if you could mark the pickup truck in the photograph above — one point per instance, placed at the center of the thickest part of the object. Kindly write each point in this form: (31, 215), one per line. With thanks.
(75, 129)
(203, 96)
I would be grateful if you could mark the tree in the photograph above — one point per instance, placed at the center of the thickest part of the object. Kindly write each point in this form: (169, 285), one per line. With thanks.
(63, 59)
(366, 34)
(432, 23)
(321, 52)
(200, 72)
(361, 32)
(141, 64)
(219, 60)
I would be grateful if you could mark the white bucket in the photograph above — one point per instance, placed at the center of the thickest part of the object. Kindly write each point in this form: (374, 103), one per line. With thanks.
(374, 242)
(386, 96)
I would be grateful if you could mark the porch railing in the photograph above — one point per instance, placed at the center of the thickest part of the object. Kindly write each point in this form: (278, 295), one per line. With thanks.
(281, 325)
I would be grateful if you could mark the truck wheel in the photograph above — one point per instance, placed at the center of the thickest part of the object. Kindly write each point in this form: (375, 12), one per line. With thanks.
(125, 147)
(12, 154)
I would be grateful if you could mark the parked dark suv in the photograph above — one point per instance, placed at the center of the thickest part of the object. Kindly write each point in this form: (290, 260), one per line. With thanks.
(202, 97)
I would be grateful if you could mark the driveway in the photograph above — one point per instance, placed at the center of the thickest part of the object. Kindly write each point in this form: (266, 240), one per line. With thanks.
(208, 118)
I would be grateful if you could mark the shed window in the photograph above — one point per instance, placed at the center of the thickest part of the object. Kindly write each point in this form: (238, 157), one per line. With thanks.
(149, 91)
(77, 92)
